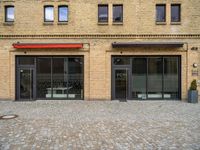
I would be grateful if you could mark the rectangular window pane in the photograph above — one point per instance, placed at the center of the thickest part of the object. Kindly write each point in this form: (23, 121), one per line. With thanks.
(63, 13)
(75, 78)
(44, 77)
(9, 13)
(26, 61)
(175, 13)
(155, 72)
(60, 69)
(160, 13)
(121, 61)
(117, 13)
(103, 13)
(171, 75)
(49, 13)
(139, 76)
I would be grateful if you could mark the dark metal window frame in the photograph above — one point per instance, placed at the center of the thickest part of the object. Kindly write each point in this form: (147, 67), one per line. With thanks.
(179, 5)
(34, 67)
(129, 67)
(46, 6)
(60, 6)
(6, 12)
(163, 5)
(122, 13)
(103, 5)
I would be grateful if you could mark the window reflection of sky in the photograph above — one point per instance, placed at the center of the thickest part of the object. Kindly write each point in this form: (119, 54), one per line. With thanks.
(63, 14)
(10, 14)
(49, 16)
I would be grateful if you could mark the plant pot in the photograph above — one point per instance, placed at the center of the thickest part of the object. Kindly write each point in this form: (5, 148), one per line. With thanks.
(193, 96)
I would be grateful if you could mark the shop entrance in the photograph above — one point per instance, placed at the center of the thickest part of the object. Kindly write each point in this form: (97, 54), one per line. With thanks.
(146, 77)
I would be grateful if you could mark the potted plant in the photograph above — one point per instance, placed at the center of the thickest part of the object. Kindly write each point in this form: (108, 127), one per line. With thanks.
(193, 93)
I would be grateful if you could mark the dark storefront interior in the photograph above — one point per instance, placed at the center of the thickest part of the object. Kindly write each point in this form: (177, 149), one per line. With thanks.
(146, 77)
(50, 77)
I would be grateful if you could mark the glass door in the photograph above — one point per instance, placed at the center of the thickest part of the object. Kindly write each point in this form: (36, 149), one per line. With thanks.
(25, 86)
(121, 84)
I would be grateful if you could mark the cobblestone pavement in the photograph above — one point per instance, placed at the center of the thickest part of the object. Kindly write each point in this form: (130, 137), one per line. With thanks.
(100, 125)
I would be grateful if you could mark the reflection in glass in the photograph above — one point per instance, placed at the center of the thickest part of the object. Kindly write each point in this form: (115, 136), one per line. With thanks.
(175, 13)
(26, 60)
(75, 78)
(103, 13)
(139, 76)
(49, 15)
(9, 13)
(155, 71)
(117, 13)
(26, 83)
(63, 13)
(59, 66)
(44, 77)
(160, 13)
(121, 85)
(171, 82)
(122, 61)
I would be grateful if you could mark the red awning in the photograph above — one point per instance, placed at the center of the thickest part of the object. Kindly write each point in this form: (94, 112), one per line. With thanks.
(47, 46)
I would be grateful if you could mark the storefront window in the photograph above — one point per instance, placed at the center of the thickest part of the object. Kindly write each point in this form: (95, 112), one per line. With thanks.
(139, 78)
(171, 82)
(155, 71)
(44, 77)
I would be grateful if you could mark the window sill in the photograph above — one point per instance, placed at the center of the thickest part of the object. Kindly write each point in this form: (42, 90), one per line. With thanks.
(175, 23)
(47, 23)
(161, 23)
(117, 23)
(102, 23)
(62, 23)
(8, 23)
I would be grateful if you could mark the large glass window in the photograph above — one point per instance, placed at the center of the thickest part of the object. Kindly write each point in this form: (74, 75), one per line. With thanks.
(63, 13)
(9, 13)
(44, 78)
(117, 13)
(160, 13)
(75, 78)
(60, 69)
(155, 71)
(151, 77)
(60, 78)
(48, 13)
(139, 78)
(171, 78)
(175, 13)
(103, 13)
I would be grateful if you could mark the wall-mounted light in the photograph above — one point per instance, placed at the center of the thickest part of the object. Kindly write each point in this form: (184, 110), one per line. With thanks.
(195, 65)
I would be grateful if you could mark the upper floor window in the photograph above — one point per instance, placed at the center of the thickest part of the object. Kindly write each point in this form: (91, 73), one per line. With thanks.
(160, 13)
(175, 13)
(103, 13)
(117, 13)
(48, 13)
(63, 13)
(9, 13)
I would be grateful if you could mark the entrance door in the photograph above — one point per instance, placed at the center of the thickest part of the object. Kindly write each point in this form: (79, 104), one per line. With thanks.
(121, 87)
(25, 86)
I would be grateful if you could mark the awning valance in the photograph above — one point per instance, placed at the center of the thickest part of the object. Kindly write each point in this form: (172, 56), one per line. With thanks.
(146, 44)
(47, 45)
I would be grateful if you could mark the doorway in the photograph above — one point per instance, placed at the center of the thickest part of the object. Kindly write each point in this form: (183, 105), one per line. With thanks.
(26, 82)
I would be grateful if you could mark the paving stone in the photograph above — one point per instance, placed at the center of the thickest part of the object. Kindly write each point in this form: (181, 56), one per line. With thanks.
(100, 125)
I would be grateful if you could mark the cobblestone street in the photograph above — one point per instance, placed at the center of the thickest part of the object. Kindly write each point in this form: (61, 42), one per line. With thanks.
(100, 125)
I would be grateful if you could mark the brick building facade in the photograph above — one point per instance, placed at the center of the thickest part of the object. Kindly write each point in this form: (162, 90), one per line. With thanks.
(92, 54)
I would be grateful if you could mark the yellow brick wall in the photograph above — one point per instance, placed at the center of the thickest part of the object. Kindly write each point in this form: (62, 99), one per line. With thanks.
(139, 19)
